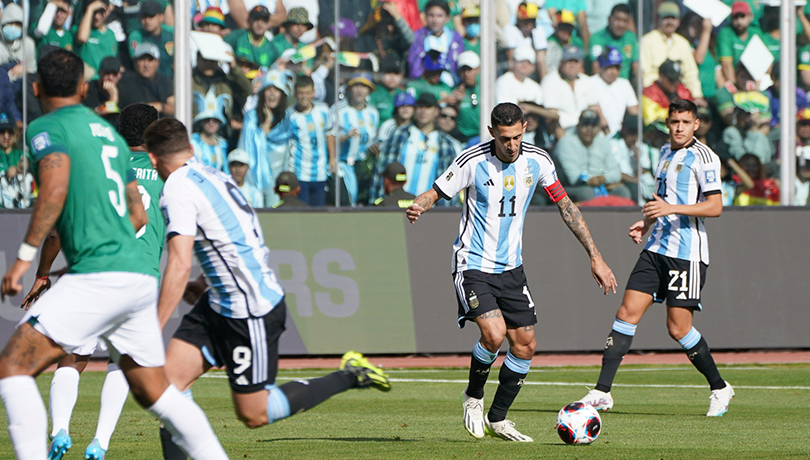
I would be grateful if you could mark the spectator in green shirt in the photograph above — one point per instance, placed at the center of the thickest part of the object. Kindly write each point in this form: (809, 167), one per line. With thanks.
(252, 44)
(617, 35)
(153, 30)
(431, 80)
(295, 26)
(10, 156)
(93, 40)
(390, 85)
(471, 20)
(467, 95)
(732, 40)
(50, 30)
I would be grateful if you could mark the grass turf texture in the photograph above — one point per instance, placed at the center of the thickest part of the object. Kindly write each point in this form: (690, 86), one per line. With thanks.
(659, 413)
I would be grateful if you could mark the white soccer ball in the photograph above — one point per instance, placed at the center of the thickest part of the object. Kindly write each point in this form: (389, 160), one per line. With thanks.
(578, 423)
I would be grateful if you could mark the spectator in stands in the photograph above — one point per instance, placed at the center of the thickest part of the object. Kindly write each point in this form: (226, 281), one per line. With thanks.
(438, 36)
(663, 43)
(208, 74)
(392, 37)
(774, 93)
(467, 95)
(578, 10)
(709, 133)
(210, 148)
(252, 44)
(265, 135)
(394, 178)
(153, 30)
(357, 11)
(698, 31)
(92, 39)
(238, 165)
(655, 98)
(525, 34)
(588, 167)
(16, 179)
(10, 155)
(562, 38)
(447, 121)
(312, 157)
(103, 94)
(471, 20)
(424, 150)
(212, 21)
(287, 188)
(733, 39)
(433, 65)
(723, 101)
(568, 91)
(404, 108)
(50, 29)
(617, 35)
(517, 86)
(15, 50)
(145, 84)
(296, 25)
(745, 135)
(765, 191)
(388, 87)
(802, 183)
(615, 94)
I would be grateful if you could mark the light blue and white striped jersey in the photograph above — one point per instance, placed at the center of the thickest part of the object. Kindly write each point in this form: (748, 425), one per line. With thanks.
(498, 194)
(309, 158)
(210, 155)
(420, 156)
(205, 203)
(685, 176)
(366, 121)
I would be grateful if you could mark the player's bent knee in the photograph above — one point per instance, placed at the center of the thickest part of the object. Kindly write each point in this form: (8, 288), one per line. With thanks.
(251, 417)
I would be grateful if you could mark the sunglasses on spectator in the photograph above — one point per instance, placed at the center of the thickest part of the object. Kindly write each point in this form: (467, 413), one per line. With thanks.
(445, 115)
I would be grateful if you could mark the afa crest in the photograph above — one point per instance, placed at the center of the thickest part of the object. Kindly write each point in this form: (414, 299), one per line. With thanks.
(509, 183)
(528, 180)
(473, 300)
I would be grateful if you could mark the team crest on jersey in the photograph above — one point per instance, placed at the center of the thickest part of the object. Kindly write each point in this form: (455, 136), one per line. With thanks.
(666, 165)
(711, 177)
(528, 180)
(473, 300)
(40, 142)
(508, 183)
(679, 168)
(448, 176)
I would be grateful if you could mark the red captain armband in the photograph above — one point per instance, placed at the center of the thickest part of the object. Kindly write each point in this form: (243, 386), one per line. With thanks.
(556, 191)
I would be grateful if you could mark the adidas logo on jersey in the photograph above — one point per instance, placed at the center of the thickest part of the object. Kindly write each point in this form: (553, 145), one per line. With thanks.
(242, 380)
(490, 183)
(681, 296)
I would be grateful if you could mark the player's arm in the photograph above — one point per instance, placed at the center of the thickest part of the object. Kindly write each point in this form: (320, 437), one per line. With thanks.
(573, 219)
(54, 178)
(50, 249)
(137, 214)
(712, 207)
(175, 276)
(421, 204)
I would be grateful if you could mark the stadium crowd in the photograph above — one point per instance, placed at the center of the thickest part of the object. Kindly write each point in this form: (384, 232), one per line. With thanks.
(266, 110)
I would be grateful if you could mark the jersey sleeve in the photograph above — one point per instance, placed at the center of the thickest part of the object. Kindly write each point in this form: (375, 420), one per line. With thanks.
(45, 138)
(549, 181)
(456, 178)
(708, 176)
(179, 210)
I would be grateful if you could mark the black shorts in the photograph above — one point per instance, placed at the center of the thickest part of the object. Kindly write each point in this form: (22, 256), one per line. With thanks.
(677, 281)
(478, 292)
(247, 347)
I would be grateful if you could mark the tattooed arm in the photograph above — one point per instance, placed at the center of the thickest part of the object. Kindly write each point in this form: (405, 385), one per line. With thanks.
(137, 214)
(573, 219)
(421, 204)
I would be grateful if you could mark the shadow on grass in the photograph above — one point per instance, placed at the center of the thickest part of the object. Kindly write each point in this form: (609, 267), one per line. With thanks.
(357, 439)
(615, 412)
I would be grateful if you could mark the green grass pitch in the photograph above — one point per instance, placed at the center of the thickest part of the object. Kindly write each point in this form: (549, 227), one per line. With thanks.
(659, 414)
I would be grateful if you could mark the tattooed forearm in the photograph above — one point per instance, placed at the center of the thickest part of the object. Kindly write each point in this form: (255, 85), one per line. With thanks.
(573, 219)
(491, 314)
(424, 200)
(44, 218)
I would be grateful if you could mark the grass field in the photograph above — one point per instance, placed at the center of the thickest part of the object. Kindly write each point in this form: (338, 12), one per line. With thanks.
(659, 413)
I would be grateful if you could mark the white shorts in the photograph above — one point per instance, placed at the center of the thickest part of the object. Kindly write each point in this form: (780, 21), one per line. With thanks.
(118, 307)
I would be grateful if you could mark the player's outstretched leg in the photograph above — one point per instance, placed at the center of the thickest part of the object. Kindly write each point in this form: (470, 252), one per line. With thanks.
(510, 380)
(113, 396)
(367, 374)
(64, 392)
(697, 350)
(616, 346)
(472, 399)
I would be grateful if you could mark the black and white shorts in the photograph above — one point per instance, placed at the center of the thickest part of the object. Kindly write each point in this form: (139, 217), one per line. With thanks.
(677, 281)
(478, 292)
(246, 347)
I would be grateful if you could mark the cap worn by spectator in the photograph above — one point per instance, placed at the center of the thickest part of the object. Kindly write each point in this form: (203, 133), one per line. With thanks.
(572, 53)
(433, 64)
(150, 8)
(472, 11)
(589, 118)
(704, 113)
(286, 182)
(669, 10)
(803, 115)
(361, 78)
(404, 99)
(238, 156)
(437, 3)
(6, 123)
(298, 15)
(610, 57)
(109, 64)
(740, 7)
(526, 11)
(427, 100)
(630, 122)
(395, 172)
(259, 13)
(468, 59)
(566, 17)
(213, 15)
(281, 79)
(147, 49)
(658, 125)
(346, 27)
(525, 53)
(671, 70)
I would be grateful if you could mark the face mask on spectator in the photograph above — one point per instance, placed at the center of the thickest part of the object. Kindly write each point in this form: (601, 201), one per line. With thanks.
(473, 30)
(11, 32)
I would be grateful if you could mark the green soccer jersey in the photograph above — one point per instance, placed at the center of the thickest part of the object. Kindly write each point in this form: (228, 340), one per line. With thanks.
(97, 235)
(627, 44)
(263, 54)
(419, 86)
(99, 45)
(61, 38)
(383, 100)
(151, 237)
(164, 42)
(469, 112)
(12, 158)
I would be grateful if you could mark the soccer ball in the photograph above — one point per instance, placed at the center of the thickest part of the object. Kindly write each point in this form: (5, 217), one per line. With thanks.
(578, 423)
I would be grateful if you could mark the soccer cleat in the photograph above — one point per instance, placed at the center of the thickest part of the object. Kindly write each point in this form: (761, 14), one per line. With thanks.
(94, 451)
(599, 400)
(505, 429)
(719, 400)
(473, 415)
(367, 374)
(59, 445)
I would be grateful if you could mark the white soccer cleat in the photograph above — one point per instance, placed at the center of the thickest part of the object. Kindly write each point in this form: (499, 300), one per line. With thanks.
(599, 400)
(473, 415)
(719, 400)
(505, 429)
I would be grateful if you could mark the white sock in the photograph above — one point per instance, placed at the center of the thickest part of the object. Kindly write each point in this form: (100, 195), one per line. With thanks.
(188, 425)
(64, 392)
(27, 419)
(113, 396)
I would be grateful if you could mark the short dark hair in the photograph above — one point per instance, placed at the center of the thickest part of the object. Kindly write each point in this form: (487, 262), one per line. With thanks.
(302, 81)
(133, 121)
(438, 3)
(166, 136)
(506, 114)
(59, 73)
(682, 105)
(621, 8)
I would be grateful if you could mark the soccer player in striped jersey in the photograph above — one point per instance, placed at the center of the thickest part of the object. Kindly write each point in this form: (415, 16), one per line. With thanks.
(237, 322)
(673, 264)
(499, 178)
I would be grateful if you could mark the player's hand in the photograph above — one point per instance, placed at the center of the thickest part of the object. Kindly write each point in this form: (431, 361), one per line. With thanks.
(596, 181)
(11, 280)
(656, 208)
(413, 212)
(637, 231)
(603, 275)
(40, 286)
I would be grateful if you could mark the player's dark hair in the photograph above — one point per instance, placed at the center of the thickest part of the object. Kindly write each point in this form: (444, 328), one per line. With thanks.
(166, 136)
(133, 121)
(621, 8)
(59, 73)
(682, 105)
(438, 3)
(302, 81)
(506, 114)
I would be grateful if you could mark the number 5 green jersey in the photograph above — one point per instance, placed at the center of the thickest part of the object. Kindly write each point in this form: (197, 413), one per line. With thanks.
(151, 237)
(97, 235)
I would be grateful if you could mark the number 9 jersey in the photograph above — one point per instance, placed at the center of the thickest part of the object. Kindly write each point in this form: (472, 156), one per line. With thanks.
(204, 203)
